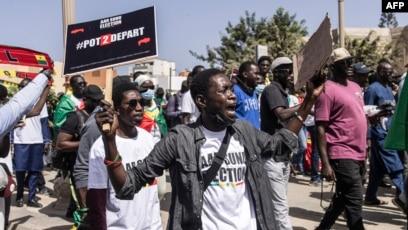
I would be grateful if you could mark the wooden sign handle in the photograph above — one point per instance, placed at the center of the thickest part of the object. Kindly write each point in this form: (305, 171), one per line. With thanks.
(108, 94)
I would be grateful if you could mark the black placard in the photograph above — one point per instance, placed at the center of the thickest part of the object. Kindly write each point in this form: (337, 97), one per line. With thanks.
(394, 6)
(110, 41)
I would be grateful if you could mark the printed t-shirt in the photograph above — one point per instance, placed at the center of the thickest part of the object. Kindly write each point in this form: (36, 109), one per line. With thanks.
(227, 203)
(143, 212)
(188, 106)
(247, 106)
(31, 132)
(342, 107)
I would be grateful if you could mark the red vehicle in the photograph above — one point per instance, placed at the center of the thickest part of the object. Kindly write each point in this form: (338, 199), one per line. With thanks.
(17, 56)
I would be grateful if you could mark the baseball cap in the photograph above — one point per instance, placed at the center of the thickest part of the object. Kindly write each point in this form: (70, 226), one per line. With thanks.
(280, 61)
(360, 68)
(93, 92)
(339, 54)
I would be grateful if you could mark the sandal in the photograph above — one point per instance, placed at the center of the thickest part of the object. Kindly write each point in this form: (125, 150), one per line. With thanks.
(376, 202)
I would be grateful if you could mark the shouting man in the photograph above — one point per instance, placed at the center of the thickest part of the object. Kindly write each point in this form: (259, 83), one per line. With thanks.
(221, 184)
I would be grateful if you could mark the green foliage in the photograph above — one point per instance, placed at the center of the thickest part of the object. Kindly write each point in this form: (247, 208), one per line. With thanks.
(368, 50)
(388, 20)
(281, 33)
(52, 99)
(11, 90)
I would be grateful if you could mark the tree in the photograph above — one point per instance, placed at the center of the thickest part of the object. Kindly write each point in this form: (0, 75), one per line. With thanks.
(281, 33)
(368, 50)
(388, 20)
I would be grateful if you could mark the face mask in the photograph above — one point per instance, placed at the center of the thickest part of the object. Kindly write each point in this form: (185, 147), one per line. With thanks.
(148, 94)
(259, 89)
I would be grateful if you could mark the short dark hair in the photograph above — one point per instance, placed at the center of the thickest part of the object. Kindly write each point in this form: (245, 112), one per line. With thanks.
(264, 58)
(71, 80)
(118, 90)
(245, 67)
(200, 83)
(121, 79)
(196, 69)
(381, 62)
(3, 91)
(159, 90)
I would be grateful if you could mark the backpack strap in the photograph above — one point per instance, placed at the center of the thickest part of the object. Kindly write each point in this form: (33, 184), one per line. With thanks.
(210, 174)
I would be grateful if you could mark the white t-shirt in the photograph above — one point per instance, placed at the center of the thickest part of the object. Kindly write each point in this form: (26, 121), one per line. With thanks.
(143, 212)
(227, 203)
(188, 106)
(31, 132)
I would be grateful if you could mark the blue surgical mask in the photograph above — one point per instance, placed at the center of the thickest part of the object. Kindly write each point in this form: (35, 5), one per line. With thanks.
(259, 89)
(148, 94)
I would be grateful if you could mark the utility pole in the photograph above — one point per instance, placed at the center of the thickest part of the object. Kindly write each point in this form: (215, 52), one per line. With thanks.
(341, 23)
(68, 17)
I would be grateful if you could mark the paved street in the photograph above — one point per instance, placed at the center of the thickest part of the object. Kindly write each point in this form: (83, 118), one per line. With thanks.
(304, 201)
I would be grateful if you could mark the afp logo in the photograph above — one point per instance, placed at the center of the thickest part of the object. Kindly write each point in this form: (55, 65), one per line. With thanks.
(389, 6)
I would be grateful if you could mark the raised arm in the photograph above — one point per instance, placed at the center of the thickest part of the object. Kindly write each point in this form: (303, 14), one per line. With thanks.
(285, 140)
(40, 103)
(21, 103)
(313, 92)
(126, 184)
(285, 114)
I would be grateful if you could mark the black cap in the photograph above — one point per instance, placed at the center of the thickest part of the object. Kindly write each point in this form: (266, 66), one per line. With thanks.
(360, 68)
(93, 92)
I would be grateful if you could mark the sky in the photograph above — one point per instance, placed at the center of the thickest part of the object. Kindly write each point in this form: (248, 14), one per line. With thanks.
(182, 25)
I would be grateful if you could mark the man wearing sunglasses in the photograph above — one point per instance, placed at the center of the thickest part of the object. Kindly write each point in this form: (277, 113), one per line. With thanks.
(341, 133)
(134, 144)
(69, 102)
(275, 113)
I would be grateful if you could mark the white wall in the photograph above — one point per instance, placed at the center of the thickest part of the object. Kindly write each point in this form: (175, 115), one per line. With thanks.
(163, 81)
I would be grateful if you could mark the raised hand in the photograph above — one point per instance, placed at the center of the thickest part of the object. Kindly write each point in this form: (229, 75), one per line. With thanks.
(315, 86)
(107, 116)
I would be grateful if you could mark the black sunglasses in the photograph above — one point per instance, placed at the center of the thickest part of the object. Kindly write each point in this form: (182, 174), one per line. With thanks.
(284, 71)
(133, 103)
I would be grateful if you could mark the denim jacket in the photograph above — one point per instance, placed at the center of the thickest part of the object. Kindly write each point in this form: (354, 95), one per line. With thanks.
(179, 152)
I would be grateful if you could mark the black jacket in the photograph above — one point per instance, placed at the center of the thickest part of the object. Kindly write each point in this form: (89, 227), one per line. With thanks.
(179, 152)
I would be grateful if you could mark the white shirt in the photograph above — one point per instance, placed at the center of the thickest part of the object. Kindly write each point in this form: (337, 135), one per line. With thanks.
(143, 212)
(227, 203)
(188, 106)
(31, 132)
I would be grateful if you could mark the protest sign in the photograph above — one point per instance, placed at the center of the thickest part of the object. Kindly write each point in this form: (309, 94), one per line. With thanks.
(111, 41)
(314, 54)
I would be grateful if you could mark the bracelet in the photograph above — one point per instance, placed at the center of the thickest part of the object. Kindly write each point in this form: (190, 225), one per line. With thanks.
(299, 117)
(118, 159)
(114, 165)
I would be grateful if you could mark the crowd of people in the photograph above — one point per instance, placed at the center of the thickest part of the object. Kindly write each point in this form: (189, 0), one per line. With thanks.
(229, 143)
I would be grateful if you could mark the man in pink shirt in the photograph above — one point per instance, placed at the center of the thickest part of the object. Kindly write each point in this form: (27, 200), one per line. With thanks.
(342, 131)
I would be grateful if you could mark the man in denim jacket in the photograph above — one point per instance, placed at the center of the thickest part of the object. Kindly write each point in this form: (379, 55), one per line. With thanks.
(238, 189)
